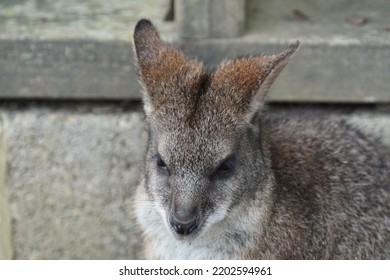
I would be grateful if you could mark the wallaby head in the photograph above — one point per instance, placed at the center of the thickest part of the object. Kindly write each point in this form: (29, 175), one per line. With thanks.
(205, 154)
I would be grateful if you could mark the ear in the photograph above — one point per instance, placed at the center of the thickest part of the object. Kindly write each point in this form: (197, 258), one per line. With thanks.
(273, 65)
(163, 70)
(147, 42)
(245, 82)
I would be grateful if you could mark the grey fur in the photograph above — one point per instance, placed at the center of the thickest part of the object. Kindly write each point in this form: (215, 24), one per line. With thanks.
(225, 180)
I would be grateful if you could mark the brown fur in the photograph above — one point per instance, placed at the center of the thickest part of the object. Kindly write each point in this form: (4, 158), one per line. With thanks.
(248, 185)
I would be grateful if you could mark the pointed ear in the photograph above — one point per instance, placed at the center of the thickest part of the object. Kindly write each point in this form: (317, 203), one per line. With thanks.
(163, 70)
(245, 82)
(272, 65)
(147, 42)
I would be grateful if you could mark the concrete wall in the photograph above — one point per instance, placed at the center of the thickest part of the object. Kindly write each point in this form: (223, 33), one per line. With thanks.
(5, 218)
(72, 170)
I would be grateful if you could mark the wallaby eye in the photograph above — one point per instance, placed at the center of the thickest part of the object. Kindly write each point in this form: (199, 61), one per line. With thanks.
(226, 167)
(161, 164)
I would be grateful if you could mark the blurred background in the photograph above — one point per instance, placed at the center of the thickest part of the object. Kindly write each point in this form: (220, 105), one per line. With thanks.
(72, 134)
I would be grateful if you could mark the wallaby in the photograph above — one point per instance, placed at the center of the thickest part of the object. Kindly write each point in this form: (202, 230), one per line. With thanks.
(226, 180)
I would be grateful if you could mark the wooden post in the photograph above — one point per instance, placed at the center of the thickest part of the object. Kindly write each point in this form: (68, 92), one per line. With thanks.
(210, 18)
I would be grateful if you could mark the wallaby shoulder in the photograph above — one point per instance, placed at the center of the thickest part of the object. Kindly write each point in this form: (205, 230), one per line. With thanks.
(332, 188)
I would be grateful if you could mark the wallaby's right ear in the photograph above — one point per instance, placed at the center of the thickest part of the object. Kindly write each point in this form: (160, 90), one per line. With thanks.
(147, 44)
(163, 70)
(147, 41)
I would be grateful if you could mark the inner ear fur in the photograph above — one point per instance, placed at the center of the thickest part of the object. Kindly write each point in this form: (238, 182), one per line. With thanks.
(275, 64)
(245, 82)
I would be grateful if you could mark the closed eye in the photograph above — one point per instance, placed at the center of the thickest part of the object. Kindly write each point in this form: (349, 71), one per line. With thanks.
(161, 165)
(225, 168)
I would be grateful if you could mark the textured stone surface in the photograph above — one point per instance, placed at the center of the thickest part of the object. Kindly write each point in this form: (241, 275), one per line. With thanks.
(67, 70)
(83, 49)
(5, 218)
(72, 170)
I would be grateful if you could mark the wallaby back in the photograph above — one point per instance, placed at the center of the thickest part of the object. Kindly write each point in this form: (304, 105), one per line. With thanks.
(224, 180)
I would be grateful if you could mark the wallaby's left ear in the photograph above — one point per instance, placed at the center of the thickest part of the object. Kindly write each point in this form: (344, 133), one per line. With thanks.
(273, 65)
(245, 81)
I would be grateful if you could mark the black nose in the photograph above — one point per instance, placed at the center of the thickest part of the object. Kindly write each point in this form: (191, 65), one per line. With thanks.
(184, 221)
